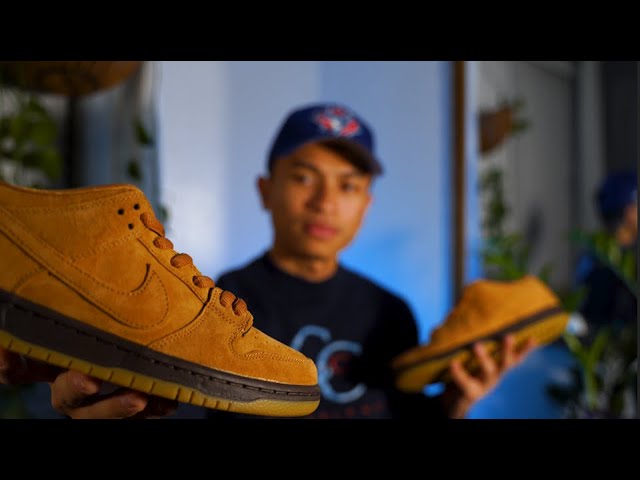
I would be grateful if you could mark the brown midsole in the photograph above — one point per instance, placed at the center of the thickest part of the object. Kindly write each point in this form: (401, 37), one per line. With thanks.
(49, 329)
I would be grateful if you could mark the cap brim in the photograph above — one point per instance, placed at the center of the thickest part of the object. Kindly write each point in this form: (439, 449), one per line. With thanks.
(358, 155)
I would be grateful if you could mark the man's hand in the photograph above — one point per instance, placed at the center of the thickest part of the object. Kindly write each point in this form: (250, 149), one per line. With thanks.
(77, 395)
(466, 389)
(17, 370)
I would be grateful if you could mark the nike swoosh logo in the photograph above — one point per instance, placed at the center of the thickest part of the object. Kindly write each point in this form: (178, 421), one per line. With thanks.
(144, 307)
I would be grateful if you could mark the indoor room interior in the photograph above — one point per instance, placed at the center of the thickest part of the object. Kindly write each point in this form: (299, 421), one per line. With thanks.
(490, 171)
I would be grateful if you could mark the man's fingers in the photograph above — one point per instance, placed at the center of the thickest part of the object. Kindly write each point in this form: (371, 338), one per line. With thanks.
(36, 371)
(508, 352)
(487, 363)
(122, 403)
(71, 390)
(463, 379)
(10, 366)
(512, 355)
(18, 369)
(157, 408)
(77, 395)
(528, 347)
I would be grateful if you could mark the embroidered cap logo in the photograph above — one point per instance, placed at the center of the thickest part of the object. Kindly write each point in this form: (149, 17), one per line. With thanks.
(338, 121)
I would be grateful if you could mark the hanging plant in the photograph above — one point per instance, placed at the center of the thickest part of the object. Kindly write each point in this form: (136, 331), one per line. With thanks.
(29, 155)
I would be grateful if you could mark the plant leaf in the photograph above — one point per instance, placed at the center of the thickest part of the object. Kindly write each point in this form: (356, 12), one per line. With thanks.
(142, 135)
(18, 127)
(133, 170)
(597, 347)
(51, 163)
(571, 300)
(43, 132)
(163, 213)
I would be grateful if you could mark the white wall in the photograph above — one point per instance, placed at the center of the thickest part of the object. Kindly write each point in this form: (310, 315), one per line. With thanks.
(537, 162)
(537, 166)
(472, 213)
(192, 136)
(216, 121)
(591, 148)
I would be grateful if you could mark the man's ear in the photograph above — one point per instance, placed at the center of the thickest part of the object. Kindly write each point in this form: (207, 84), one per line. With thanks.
(264, 188)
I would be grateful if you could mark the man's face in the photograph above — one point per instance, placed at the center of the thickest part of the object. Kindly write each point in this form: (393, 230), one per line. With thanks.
(317, 201)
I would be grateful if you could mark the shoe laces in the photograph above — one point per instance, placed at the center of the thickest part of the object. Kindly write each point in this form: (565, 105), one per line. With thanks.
(227, 299)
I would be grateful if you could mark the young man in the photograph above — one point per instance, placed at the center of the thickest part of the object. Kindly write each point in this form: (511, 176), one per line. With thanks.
(320, 170)
(321, 167)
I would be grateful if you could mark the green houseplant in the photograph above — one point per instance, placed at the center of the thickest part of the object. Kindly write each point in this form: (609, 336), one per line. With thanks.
(29, 152)
(603, 382)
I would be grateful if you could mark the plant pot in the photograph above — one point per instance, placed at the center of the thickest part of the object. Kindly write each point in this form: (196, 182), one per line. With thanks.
(495, 126)
(71, 78)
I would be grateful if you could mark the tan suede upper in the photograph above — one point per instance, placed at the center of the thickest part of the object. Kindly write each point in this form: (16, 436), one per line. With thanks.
(87, 254)
(486, 307)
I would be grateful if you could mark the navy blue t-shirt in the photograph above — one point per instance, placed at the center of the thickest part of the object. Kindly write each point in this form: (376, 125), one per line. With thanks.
(348, 325)
(609, 300)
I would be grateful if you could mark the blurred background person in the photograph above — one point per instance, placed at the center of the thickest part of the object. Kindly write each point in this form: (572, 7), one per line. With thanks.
(607, 267)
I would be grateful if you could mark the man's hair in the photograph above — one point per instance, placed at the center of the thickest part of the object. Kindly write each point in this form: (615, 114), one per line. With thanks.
(348, 152)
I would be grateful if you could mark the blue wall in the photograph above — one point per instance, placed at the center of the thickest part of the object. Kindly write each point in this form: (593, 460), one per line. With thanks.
(405, 243)
(217, 120)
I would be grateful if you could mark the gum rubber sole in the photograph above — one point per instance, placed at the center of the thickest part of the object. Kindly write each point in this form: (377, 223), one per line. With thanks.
(428, 370)
(160, 388)
(48, 336)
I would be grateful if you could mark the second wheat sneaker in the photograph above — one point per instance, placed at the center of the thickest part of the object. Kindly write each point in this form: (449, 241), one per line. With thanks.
(487, 311)
(89, 282)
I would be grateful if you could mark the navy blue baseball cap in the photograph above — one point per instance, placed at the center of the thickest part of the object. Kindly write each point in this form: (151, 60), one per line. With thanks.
(329, 123)
(616, 192)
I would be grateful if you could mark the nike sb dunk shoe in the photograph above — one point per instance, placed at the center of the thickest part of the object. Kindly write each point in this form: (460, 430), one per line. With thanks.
(89, 282)
(487, 311)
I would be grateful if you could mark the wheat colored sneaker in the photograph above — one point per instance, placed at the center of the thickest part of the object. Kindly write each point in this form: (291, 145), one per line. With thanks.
(89, 282)
(487, 311)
